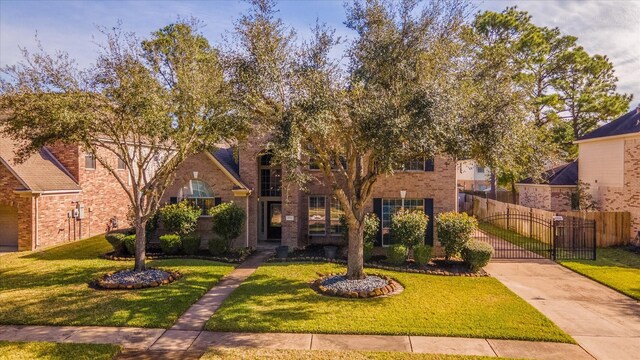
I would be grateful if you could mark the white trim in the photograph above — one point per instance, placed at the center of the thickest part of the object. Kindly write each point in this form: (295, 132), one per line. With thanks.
(612, 137)
(325, 215)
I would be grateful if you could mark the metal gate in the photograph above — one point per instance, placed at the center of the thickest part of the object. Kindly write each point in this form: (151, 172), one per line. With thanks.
(528, 236)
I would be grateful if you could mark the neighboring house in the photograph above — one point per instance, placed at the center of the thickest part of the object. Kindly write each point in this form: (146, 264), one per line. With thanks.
(609, 166)
(473, 177)
(39, 196)
(57, 195)
(281, 213)
(553, 192)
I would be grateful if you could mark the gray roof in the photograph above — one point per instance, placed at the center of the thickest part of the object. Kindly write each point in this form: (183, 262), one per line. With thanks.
(226, 158)
(40, 172)
(566, 174)
(626, 124)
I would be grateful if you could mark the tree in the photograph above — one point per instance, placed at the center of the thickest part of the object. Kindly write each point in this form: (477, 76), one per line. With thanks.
(361, 123)
(151, 103)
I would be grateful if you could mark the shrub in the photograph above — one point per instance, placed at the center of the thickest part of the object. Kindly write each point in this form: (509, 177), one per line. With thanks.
(397, 254)
(476, 254)
(367, 251)
(454, 231)
(129, 242)
(170, 244)
(191, 244)
(408, 227)
(228, 219)
(422, 254)
(179, 218)
(116, 241)
(217, 246)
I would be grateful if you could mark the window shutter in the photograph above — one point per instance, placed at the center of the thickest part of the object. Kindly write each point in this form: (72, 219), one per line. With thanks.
(377, 209)
(428, 209)
(173, 200)
(429, 165)
(217, 201)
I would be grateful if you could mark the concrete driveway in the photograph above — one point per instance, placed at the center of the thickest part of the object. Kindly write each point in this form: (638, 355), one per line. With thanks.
(604, 322)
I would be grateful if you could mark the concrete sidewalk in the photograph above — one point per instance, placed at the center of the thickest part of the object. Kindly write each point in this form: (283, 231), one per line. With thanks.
(142, 343)
(604, 322)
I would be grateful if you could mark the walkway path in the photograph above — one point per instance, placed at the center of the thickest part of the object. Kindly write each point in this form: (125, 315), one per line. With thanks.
(603, 321)
(142, 343)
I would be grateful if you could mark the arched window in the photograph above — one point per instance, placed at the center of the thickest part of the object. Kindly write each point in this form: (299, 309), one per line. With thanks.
(199, 194)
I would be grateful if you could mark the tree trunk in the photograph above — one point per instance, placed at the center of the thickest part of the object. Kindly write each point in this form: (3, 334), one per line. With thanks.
(493, 192)
(355, 258)
(514, 192)
(140, 253)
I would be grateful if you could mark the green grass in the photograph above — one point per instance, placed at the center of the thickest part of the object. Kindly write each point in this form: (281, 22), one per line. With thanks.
(616, 268)
(54, 351)
(259, 354)
(528, 243)
(277, 298)
(51, 288)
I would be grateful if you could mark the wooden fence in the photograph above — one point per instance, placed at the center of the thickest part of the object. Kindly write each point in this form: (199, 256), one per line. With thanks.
(612, 227)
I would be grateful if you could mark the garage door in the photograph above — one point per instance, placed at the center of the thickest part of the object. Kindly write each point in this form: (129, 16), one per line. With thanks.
(8, 227)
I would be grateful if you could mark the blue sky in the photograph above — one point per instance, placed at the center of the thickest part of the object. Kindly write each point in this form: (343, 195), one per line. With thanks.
(604, 27)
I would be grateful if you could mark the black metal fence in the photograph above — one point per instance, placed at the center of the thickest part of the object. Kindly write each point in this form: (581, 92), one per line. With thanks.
(527, 236)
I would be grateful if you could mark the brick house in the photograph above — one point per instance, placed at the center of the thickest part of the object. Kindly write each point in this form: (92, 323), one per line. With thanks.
(473, 177)
(281, 213)
(609, 164)
(39, 196)
(57, 195)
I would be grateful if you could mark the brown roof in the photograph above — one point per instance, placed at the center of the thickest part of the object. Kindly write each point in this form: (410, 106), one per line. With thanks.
(40, 172)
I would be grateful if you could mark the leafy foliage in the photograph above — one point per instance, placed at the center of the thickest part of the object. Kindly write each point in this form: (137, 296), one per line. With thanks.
(180, 218)
(149, 102)
(397, 254)
(408, 227)
(191, 244)
(170, 244)
(228, 220)
(454, 231)
(477, 254)
(422, 254)
(116, 240)
(130, 244)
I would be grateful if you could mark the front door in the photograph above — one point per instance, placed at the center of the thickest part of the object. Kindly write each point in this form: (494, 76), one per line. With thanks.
(274, 220)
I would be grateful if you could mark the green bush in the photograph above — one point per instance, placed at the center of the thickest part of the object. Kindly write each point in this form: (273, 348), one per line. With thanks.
(422, 254)
(116, 241)
(371, 226)
(408, 227)
(170, 244)
(129, 242)
(228, 220)
(454, 231)
(367, 251)
(476, 254)
(217, 246)
(191, 244)
(180, 218)
(397, 254)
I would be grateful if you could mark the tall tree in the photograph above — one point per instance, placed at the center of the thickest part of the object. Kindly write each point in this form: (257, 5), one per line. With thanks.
(150, 103)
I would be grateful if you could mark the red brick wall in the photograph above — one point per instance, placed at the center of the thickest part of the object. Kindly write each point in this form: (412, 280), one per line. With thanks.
(68, 156)
(8, 184)
(220, 184)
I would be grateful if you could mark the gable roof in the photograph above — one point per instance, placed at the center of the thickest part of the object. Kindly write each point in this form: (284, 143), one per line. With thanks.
(566, 174)
(224, 157)
(628, 123)
(40, 172)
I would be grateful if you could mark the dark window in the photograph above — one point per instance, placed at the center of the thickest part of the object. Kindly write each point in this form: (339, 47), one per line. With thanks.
(121, 165)
(480, 169)
(414, 165)
(198, 194)
(270, 182)
(89, 161)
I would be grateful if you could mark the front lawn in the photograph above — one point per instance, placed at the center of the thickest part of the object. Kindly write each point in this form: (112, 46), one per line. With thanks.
(259, 354)
(51, 288)
(54, 351)
(277, 298)
(615, 267)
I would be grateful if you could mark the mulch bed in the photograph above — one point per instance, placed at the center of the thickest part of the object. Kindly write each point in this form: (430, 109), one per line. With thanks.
(435, 267)
(134, 280)
(233, 258)
(374, 285)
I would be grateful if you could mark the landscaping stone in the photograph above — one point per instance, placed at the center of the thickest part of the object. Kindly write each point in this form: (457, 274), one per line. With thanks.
(130, 279)
(372, 286)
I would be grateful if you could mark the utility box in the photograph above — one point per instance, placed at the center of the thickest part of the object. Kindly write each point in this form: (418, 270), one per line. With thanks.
(80, 209)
